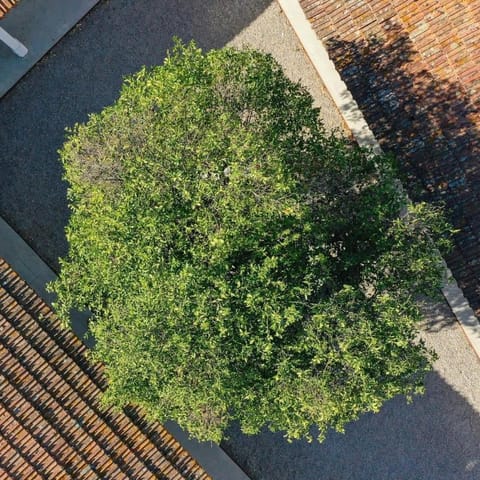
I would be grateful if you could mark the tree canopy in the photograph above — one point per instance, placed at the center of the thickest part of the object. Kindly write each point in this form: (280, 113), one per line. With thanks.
(240, 262)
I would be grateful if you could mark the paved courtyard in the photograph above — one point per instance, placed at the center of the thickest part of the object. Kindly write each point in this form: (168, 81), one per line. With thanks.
(437, 437)
(84, 73)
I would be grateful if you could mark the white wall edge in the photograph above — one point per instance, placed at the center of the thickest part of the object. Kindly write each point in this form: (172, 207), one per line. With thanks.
(357, 124)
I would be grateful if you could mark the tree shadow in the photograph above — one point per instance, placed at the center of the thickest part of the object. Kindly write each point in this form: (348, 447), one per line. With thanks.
(430, 126)
(83, 74)
(436, 316)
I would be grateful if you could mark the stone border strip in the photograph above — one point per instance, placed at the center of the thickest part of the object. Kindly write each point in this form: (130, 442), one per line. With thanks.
(39, 25)
(355, 120)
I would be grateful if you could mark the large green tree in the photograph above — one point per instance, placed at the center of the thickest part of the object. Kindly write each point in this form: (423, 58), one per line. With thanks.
(240, 262)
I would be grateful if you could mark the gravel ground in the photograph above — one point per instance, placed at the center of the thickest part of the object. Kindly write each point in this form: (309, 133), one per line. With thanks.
(435, 438)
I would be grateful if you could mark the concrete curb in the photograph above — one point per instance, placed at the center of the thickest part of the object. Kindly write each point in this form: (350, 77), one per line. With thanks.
(355, 120)
(37, 274)
(13, 44)
(39, 25)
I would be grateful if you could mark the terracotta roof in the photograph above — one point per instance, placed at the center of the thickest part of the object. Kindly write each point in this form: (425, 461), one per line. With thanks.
(6, 5)
(414, 69)
(51, 423)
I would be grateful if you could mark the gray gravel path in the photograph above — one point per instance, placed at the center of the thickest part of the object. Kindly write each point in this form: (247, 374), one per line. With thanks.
(437, 437)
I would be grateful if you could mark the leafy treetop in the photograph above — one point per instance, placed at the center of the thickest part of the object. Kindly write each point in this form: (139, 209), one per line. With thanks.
(240, 262)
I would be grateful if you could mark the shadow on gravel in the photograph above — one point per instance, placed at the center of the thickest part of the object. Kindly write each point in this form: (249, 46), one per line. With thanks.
(82, 74)
(435, 438)
(430, 125)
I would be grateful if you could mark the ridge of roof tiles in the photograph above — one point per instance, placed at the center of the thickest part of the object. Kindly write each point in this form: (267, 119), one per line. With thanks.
(52, 425)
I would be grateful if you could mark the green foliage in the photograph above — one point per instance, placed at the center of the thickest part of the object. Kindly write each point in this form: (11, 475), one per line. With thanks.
(240, 262)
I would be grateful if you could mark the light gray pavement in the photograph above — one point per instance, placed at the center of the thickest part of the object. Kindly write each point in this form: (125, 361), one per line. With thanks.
(435, 438)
